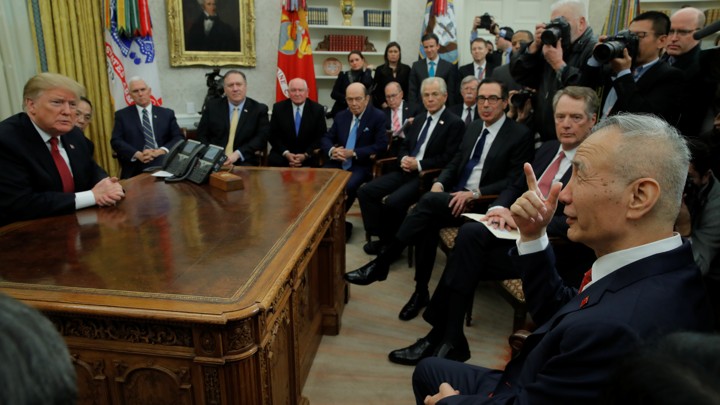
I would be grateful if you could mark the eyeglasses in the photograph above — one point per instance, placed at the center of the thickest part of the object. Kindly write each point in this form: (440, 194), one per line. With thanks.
(641, 34)
(389, 96)
(492, 100)
(681, 33)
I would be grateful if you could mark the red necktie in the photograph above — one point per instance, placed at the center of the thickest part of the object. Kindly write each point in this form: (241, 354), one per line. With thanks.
(586, 279)
(547, 177)
(62, 167)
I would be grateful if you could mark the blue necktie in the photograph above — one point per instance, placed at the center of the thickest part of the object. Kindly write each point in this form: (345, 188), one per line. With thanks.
(147, 130)
(351, 143)
(421, 139)
(297, 121)
(431, 72)
(474, 160)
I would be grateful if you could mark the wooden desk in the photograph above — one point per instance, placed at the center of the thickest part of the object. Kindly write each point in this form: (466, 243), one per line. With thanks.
(184, 294)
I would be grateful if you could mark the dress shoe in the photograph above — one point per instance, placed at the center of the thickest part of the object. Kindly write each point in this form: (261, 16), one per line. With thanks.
(451, 352)
(348, 231)
(367, 274)
(417, 302)
(412, 354)
(374, 247)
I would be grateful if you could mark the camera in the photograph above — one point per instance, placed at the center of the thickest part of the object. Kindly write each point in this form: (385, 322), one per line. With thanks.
(486, 21)
(556, 30)
(518, 99)
(613, 47)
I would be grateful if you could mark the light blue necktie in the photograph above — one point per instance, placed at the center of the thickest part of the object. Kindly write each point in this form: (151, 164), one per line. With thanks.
(431, 72)
(297, 121)
(351, 143)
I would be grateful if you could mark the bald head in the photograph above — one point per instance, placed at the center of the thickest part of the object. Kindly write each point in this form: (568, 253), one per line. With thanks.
(683, 24)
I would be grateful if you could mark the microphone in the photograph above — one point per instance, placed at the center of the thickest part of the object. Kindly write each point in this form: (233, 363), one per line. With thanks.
(709, 30)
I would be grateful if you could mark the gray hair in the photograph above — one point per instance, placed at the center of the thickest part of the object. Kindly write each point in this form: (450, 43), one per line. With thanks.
(578, 7)
(468, 79)
(135, 79)
(434, 80)
(651, 147)
(586, 94)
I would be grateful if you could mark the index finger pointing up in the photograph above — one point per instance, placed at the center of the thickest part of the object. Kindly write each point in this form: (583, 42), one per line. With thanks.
(530, 177)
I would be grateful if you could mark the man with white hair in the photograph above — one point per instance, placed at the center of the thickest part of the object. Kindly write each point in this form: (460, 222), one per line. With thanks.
(550, 67)
(143, 133)
(622, 200)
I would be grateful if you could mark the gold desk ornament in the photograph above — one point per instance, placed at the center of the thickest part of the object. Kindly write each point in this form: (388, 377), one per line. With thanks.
(346, 8)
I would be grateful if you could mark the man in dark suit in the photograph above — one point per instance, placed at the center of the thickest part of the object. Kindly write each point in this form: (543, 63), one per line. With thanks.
(490, 158)
(356, 134)
(296, 127)
(548, 68)
(236, 122)
(432, 140)
(432, 66)
(480, 67)
(622, 201)
(143, 133)
(209, 33)
(46, 164)
(479, 255)
(684, 52)
(467, 110)
(398, 115)
(640, 83)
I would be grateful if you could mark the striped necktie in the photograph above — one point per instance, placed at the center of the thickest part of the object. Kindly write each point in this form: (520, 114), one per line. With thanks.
(147, 131)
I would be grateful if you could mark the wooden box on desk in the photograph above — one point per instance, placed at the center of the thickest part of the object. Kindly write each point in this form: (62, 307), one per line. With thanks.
(226, 181)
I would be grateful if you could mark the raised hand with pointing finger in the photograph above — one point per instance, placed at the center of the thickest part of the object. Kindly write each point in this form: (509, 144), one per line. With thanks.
(532, 212)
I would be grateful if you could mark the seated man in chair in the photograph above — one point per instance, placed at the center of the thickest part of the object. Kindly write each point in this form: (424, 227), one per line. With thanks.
(489, 159)
(479, 255)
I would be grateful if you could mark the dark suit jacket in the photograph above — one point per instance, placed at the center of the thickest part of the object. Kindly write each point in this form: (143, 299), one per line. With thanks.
(127, 136)
(282, 129)
(658, 91)
(469, 70)
(222, 37)
(582, 336)
(443, 144)
(419, 72)
(383, 76)
(251, 134)
(408, 111)
(371, 138)
(30, 185)
(459, 110)
(512, 147)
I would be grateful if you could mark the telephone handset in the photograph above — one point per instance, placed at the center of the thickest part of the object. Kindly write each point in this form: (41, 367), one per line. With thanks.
(209, 162)
(182, 157)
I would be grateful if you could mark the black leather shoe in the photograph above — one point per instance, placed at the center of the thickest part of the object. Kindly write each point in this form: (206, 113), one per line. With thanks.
(374, 247)
(417, 302)
(450, 352)
(412, 354)
(348, 231)
(367, 274)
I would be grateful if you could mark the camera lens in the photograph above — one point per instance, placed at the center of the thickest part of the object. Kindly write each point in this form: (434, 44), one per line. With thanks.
(550, 36)
(607, 51)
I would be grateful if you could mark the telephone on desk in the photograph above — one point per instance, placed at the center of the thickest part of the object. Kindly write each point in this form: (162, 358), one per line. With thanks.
(191, 160)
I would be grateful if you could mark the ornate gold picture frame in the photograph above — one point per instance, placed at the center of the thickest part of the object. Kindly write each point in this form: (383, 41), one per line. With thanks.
(225, 38)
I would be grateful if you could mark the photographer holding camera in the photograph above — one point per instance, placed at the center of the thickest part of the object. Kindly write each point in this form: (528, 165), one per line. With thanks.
(549, 66)
(628, 68)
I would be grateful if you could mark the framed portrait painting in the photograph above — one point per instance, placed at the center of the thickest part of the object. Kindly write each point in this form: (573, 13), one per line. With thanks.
(211, 32)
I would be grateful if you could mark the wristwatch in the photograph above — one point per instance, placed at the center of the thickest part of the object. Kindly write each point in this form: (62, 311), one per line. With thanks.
(476, 194)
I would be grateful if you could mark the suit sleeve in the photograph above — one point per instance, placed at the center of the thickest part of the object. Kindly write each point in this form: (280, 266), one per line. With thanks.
(663, 99)
(118, 142)
(258, 139)
(330, 139)
(376, 126)
(203, 129)
(276, 130)
(319, 129)
(174, 135)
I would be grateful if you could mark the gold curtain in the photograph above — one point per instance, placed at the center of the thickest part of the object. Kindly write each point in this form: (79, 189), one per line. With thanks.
(74, 44)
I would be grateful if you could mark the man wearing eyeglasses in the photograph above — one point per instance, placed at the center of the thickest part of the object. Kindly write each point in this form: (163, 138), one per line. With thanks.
(397, 113)
(638, 82)
(684, 53)
(490, 158)
(357, 133)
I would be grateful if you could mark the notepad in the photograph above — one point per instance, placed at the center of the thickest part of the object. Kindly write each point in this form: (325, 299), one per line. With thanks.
(499, 233)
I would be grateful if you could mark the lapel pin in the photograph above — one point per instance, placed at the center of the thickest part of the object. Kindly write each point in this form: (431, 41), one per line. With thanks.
(442, 122)
(584, 301)
(72, 146)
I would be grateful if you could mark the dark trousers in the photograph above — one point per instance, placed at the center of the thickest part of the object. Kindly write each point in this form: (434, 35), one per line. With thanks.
(421, 227)
(468, 379)
(384, 202)
(358, 175)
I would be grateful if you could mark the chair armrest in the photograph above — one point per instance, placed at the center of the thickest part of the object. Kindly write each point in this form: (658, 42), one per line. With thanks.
(379, 165)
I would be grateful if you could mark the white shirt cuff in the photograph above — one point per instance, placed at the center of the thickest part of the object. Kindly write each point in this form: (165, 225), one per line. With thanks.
(84, 199)
(533, 246)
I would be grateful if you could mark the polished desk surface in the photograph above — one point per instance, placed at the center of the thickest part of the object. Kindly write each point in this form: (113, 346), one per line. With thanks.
(172, 250)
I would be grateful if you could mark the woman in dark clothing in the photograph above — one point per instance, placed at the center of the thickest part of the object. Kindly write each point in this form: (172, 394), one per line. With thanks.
(393, 70)
(357, 73)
